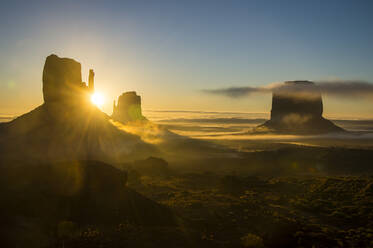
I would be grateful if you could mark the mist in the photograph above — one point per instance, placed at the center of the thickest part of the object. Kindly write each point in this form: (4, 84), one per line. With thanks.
(354, 89)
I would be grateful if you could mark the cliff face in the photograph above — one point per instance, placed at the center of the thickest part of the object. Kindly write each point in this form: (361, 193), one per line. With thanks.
(128, 108)
(297, 97)
(62, 81)
(297, 108)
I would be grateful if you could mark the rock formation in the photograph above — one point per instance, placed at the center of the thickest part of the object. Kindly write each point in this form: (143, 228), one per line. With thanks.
(297, 108)
(62, 81)
(91, 84)
(128, 108)
(67, 125)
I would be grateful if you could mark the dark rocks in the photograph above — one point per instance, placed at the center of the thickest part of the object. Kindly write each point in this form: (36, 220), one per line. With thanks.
(297, 109)
(128, 108)
(62, 80)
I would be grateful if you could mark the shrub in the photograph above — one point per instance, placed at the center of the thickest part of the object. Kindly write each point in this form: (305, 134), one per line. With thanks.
(252, 240)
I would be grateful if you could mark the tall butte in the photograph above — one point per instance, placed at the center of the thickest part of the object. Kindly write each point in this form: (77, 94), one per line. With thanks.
(297, 108)
(128, 108)
(62, 81)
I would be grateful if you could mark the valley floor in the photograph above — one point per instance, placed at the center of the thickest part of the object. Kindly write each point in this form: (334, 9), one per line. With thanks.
(229, 211)
(233, 211)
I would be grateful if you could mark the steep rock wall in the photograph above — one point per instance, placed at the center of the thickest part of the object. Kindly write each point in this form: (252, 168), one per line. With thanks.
(297, 108)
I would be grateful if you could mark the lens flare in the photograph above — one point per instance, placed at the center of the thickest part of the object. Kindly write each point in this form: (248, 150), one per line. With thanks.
(97, 99)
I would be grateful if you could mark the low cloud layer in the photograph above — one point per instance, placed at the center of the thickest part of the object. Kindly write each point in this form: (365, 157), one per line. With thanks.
(347, 88)
(337, 88)
(238, 91)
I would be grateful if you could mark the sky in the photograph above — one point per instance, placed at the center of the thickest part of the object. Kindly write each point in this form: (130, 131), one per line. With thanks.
(170, 52)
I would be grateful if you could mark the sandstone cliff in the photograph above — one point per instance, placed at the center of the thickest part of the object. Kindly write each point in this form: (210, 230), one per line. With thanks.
(297, 108)
(62, 81)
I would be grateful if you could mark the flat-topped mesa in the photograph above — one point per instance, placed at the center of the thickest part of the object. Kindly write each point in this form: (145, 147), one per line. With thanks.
(297, 108)
(62, 81)
(297, 97)
(128, 108)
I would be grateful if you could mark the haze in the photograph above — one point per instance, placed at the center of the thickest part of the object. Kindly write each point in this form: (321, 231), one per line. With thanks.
(189, 124)
(169, 51)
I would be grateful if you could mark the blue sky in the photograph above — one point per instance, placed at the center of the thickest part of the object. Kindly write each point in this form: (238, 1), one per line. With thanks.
(169, 50)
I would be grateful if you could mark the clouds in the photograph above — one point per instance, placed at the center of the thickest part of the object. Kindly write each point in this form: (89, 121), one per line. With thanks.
(347, 88)
(238, 91)
(336, 88)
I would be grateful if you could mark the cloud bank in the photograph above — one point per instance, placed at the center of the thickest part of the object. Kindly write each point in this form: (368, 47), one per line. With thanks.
(337, 88)
(238, 91)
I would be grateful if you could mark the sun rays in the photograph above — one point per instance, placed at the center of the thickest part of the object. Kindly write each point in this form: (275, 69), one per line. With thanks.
(97, 99)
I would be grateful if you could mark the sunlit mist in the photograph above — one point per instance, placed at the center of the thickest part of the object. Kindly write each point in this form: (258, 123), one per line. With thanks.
(98, 99)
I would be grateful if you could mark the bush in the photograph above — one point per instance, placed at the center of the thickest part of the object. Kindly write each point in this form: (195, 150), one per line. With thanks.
(252, 240)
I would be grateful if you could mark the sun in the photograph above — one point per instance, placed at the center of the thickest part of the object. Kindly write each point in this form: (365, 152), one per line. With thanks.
(97, 99)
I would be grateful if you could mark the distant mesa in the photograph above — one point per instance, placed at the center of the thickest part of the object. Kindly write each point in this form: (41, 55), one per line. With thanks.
(128, 108)
(297, 108)
(62, 81)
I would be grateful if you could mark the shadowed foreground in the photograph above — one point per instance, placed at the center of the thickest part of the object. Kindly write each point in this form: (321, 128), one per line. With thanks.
(87, 204)
(38, 198)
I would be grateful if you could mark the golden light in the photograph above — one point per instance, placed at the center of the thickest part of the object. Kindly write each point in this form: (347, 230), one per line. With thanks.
(97, 99)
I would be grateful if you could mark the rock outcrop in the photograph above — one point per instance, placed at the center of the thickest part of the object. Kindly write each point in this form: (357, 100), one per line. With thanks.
(62, 81)
(297, 108)
(67, 125)
(128, 108)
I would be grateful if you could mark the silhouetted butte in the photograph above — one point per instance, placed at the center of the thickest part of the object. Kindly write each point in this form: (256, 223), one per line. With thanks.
(297, 108)
(128, 108)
